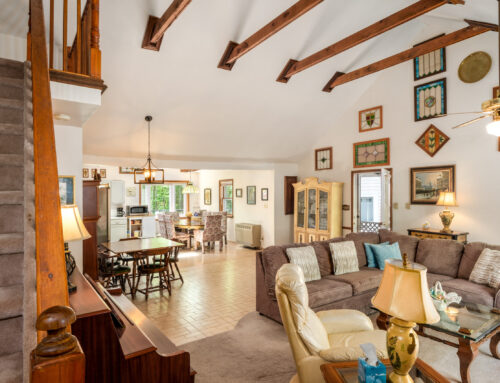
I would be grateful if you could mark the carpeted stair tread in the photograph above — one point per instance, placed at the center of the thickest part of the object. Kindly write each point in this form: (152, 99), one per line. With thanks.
(12, 129)
(11, 144)
(12, 103)
(11, 301)
(11, 219)
(11, 178)
(17, 82)
(11, 159)
(11, 334)
(10, 115)
(12, 268)
(11, 68)
(11, 243)
(11, 91)
(11, 63)
(11, 197)
(11, 368)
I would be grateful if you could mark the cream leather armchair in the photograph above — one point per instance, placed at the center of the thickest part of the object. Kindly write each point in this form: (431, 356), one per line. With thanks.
(323, 337)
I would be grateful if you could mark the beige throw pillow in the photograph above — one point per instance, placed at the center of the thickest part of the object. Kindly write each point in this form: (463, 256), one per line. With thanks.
(306, 259)
(344, 257)
(486, 269)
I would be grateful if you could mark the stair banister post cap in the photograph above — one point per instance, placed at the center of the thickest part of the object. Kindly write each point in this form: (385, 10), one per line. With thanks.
(55, 318)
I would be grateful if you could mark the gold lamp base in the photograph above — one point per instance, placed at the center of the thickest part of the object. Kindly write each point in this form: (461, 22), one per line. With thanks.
(402, 347)
(446, 218)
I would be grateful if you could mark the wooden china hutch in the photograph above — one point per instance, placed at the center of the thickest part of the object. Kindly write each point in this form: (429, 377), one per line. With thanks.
(317, 210)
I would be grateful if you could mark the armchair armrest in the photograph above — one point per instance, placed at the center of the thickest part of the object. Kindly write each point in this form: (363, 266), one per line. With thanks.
(337, 321)
(496, 302)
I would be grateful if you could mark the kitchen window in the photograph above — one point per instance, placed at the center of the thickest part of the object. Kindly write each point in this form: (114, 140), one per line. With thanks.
(165, 197)
(226, 196)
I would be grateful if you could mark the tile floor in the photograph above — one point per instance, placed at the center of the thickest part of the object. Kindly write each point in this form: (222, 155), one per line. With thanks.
(218, 290)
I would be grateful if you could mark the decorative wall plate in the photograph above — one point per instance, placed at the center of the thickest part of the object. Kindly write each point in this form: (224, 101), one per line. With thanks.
(474, 67)
(430, 99)
(371, 153)
(370, 119)
(432, 140)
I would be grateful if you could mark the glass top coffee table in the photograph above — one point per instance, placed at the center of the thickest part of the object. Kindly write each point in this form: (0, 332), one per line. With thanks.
(347, 372)
(471, 323)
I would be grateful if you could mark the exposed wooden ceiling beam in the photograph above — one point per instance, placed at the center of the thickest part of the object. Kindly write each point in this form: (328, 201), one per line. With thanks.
(409, 13)
(475, 28)
(234, 50)
(156, 27)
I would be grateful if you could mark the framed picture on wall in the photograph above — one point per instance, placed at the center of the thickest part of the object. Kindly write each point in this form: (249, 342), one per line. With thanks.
(323, 158)
(426, 183)
(85, 173)
(430, 99)
(102, 172)
(251, 195)
(239, 193)
(207, 196)
(370, 119)
(67, 190)
(429, 64)
(264, 194)
(372, 153)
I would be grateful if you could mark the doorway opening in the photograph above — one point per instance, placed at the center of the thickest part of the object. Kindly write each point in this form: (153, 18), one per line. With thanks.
(371, 200)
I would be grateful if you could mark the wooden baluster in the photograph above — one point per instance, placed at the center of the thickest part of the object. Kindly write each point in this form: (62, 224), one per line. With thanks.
(51, 35)
(58, 357)
(78, 52)
(65, 35)
(95, 52)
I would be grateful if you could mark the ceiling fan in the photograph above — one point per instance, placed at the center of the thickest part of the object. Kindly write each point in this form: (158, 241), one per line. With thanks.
(489, 107)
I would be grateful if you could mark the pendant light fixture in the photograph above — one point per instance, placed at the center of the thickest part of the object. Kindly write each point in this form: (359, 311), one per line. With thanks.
(190, 188)
(149, 174)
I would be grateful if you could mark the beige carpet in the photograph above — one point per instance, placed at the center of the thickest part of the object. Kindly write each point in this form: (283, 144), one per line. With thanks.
(257, 350)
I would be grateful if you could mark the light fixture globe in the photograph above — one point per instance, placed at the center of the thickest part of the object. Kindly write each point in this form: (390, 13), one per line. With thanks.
(149, 173)
(493, 128)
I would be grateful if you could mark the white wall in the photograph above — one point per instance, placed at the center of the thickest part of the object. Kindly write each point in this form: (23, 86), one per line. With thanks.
(12, 47)
(471, 149)
(261, 213)
(69, 163)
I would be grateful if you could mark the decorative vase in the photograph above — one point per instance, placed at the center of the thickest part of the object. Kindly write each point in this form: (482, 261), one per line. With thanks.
(446, 218)
(402, 347)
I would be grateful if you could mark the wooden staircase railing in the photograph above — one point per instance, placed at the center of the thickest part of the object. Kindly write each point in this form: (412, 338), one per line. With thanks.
(51, 280)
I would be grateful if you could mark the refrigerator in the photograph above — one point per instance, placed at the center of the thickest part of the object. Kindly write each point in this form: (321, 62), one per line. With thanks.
(103, 222)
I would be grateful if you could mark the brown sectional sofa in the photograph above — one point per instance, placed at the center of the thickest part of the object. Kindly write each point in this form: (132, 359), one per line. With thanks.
(447, 261)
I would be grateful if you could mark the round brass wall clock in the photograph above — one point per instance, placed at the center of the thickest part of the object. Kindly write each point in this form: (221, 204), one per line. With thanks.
(474, 67)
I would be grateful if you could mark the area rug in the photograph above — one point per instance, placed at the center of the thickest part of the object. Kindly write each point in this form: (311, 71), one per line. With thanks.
(257, 350)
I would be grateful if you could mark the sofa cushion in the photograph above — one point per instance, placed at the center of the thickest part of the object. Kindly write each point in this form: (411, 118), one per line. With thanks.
(365, 279)
(326, 291)
(322, 249)
(407, 243)
(305, 258)
(470, 291)
(440, 256)
(344, 257)
(472, 251)
(485, 267)
(370, 257)
(433, 278)
(384, 252)
(359, 240)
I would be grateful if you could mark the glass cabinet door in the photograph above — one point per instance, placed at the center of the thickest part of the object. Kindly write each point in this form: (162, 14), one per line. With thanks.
(301, 207)
(311, 208)
(323, 210)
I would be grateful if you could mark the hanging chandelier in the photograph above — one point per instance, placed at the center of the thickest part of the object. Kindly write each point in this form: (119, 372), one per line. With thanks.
(149, 173)
(190, 188)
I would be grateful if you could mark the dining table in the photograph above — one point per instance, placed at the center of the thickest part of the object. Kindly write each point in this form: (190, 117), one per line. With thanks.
(189, 228)
(135, 247)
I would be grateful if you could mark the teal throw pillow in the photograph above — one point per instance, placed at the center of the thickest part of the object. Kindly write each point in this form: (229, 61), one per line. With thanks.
(383, 252)
(370, 258)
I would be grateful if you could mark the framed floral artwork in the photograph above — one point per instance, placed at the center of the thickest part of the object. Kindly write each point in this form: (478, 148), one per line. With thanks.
(372, 153)
(323, 158)
(370, 119)
(430, 100)
(432, 140)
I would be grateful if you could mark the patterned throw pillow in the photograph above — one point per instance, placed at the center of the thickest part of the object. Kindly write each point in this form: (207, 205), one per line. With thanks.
(344, 257)
(486, 269)
(305, 258)
(494, 280)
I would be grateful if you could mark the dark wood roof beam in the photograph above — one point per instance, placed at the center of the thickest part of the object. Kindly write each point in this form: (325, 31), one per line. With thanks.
(409, 13)
(475, 28)
(234, 50)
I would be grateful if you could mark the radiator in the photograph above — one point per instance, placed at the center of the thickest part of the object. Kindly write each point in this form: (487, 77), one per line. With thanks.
(248, 234)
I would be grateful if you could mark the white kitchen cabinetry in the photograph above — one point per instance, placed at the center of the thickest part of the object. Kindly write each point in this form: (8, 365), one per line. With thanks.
(142, 226)
(117, 192)
(118, 229)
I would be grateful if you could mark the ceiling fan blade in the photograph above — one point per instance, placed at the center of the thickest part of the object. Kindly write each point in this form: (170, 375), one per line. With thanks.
(451, 114)
(471, 121)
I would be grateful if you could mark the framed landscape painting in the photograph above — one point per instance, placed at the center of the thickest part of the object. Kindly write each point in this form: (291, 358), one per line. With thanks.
(372, 153)
(430, 100)
(67, 190)
(426, 183)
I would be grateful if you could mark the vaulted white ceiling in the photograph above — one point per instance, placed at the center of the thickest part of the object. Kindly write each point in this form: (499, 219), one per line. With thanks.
(204, 113)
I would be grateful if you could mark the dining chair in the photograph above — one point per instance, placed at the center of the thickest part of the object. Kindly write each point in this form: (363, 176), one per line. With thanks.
(111, 272)
(167, 230)
(210, 234)
(154, 263)
(223, 223)
(126, 258)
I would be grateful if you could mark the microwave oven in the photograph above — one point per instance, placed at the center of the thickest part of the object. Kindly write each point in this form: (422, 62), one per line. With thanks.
(137, 210)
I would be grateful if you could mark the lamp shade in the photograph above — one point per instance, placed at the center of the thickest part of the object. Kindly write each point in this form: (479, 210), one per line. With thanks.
(190, 189)
(404, 294)
(447, 199)
(73, 227)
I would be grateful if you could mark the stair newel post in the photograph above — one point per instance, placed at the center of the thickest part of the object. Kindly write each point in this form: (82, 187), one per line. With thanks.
(95, 52)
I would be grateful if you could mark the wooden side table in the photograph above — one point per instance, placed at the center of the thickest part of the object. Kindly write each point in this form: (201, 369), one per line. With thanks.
(459, 236)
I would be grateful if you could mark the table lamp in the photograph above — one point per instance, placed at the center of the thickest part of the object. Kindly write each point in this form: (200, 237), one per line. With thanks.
(73, 230)
(446, 199)
(404, 295)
